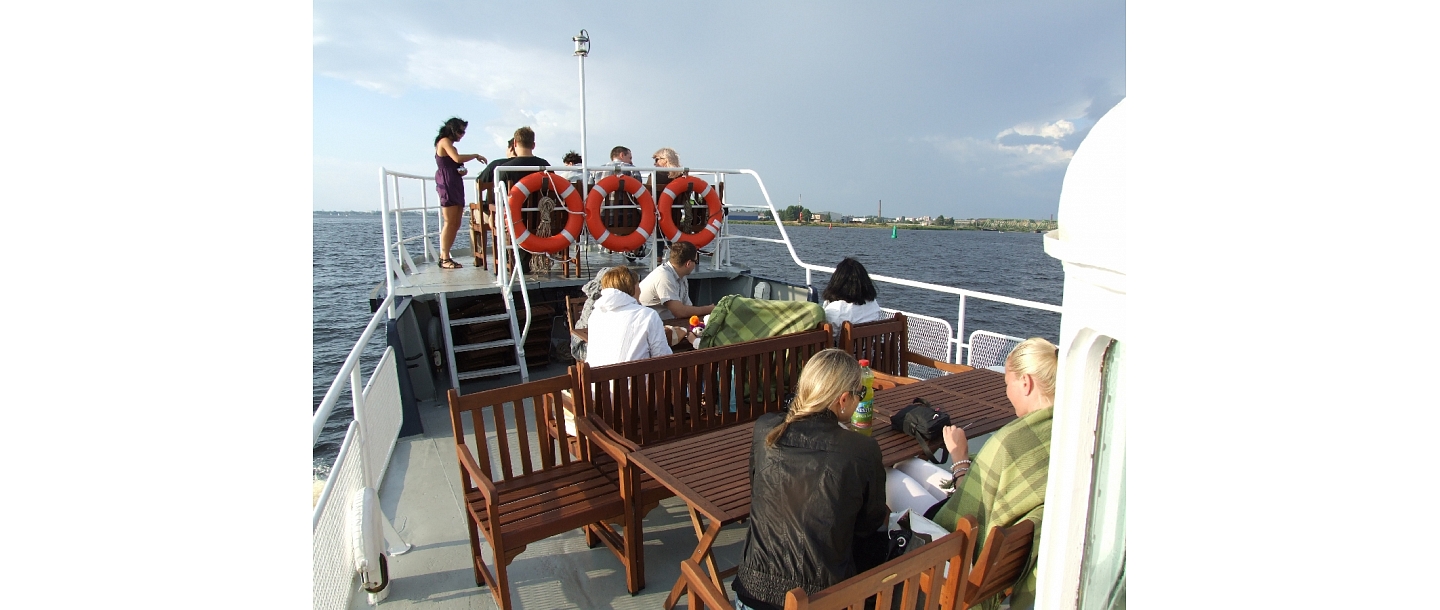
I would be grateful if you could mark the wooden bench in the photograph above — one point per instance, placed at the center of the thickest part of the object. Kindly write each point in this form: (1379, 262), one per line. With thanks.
(885, 344)
(623, 407)
(1001, 563)
(525, 488)
(574, 306)
(902, 575)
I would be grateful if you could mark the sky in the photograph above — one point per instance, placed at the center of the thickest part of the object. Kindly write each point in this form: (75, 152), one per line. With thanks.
(962, 109)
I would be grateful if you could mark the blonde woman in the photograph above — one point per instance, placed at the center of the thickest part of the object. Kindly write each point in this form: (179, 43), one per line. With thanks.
(1008, 479)
(817, 499)
(666, 157)
(621, 329)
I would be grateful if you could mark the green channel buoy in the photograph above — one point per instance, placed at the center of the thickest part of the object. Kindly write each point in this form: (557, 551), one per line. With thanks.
(895, 232)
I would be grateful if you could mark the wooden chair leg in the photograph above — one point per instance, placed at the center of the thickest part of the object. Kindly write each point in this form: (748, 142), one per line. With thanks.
(476, 558)
(634, 551)
(502, 583)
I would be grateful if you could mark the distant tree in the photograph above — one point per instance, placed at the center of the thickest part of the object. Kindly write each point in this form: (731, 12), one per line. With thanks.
(940, 220)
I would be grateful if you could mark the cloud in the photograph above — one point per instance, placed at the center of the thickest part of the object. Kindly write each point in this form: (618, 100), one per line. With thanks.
(1020, 150)
(527, 86)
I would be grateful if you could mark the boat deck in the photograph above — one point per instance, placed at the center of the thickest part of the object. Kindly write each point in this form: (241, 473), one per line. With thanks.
(421, 492)
(429, 278)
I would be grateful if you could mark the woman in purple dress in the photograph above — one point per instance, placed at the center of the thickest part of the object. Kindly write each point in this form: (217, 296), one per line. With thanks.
(451, 166)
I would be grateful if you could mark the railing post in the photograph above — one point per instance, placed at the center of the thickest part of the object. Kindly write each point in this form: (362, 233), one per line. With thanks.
(425, 221)
(385, 232)
(502, 231)
(960, 331)
(357, 411)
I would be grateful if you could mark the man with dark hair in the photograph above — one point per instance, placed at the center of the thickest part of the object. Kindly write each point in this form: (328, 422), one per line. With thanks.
(487, 175)
(524, 155)
(619, 157)
(521, 151)
(666, 289)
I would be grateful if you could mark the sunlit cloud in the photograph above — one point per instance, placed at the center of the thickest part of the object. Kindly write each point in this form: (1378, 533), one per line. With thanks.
(1023, 149)
(1056, 130)
(528, 87)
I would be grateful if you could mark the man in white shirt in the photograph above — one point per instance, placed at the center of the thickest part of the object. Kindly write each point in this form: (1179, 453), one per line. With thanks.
(667, 292)
(620, 158)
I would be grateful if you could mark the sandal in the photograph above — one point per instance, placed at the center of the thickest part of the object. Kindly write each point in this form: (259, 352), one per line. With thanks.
(449, 263)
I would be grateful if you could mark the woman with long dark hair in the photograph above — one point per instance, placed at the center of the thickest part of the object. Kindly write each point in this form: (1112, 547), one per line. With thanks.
(850, 296)
(450, 166)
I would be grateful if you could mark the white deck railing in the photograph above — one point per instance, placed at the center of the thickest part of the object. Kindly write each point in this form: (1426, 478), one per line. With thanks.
(392, 211)
(957, 340)
(363, 459)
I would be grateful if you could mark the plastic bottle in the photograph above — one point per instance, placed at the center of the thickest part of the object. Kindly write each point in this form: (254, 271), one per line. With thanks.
(864, 413)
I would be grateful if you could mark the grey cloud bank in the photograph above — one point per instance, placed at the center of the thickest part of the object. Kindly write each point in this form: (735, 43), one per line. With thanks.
(931, 107)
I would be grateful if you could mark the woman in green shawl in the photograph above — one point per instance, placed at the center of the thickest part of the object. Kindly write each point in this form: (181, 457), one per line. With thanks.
(1007, 480)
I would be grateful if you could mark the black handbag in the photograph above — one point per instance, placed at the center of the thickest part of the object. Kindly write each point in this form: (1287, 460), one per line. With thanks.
(904, 539)
(924, 422)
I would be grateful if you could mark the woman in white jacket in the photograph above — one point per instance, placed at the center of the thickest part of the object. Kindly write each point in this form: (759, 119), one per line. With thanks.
(621, 329)
(850, 296)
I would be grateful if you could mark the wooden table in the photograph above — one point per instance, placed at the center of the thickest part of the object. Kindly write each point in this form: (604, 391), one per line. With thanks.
(711, 472)
(975, 396)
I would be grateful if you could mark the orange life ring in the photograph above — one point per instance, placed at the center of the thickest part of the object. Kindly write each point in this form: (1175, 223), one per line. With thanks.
(555, 243)
(596, 224)
(712, 202)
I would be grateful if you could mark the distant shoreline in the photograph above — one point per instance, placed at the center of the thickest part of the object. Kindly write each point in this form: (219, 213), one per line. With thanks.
(791, 223)
(901, 226)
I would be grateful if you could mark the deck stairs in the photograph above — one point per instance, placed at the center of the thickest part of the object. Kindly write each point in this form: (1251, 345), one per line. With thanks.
(461, 323)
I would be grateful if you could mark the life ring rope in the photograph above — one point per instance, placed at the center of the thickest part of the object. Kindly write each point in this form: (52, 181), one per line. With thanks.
(534, 243)
(595, 222)
(704, 191)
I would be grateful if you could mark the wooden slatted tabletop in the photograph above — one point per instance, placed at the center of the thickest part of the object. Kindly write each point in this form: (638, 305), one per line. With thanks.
(974, 396)
(711, 472)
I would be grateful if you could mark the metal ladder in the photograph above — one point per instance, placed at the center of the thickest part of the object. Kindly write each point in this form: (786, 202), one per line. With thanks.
(451, 349)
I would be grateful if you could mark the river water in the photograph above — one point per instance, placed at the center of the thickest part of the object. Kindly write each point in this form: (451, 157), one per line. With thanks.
(347, 264)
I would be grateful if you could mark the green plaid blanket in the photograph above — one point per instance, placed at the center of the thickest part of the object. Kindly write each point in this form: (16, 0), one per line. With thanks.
(1006, 484)
(737, 319)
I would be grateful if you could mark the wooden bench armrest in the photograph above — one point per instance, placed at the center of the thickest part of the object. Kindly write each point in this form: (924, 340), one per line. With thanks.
(599, 426)
(479, 476)
(601, 435)
(702, 589)
(947, 367)
(895, 379)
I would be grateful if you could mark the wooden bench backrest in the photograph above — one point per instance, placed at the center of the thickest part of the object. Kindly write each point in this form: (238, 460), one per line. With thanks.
(658, 399)
(1004, 557)
(881, 342)
(529, 409)
(574, 306)
(929, 560)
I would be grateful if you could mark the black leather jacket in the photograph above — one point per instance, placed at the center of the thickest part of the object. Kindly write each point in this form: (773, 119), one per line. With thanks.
(817, 501)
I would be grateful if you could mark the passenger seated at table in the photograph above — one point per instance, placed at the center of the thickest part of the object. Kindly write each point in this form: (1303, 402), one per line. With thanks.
(850, 296)
(817, 499)
(621, 329)
(1008, 480)
(668, 292)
